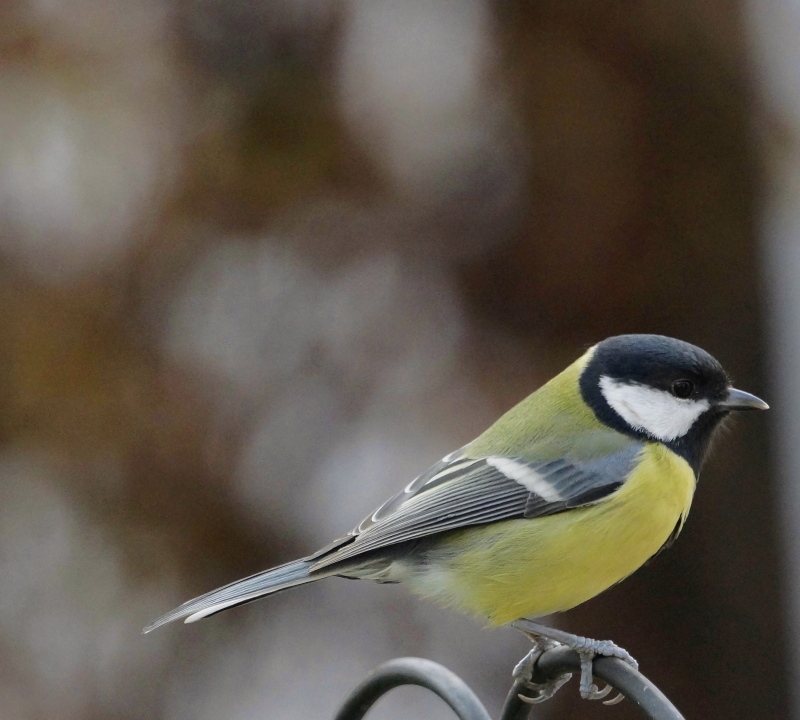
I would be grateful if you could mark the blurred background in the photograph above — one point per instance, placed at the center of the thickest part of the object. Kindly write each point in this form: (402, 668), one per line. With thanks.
(262, 262)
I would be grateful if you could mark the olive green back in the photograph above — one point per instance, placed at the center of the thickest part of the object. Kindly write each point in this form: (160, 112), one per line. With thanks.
(553, 422)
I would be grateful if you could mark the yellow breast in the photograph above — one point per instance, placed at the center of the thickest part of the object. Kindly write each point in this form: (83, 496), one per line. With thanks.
(531, 568)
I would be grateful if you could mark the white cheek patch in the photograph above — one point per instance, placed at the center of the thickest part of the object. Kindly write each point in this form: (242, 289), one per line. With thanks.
(656, 412)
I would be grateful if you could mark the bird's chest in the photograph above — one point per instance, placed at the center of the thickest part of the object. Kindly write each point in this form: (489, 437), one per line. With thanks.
(644, 512)
(536, 567)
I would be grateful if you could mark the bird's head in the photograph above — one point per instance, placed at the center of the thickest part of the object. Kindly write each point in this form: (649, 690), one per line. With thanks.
(660, 389)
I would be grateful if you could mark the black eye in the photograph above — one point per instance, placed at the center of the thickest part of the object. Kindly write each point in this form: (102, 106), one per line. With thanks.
(682, 388)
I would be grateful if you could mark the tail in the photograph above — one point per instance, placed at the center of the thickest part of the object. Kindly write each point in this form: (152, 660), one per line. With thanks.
(240, 592)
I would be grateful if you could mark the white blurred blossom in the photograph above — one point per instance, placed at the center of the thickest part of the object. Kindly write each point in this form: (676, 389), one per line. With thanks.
(246, 314)
(91, 149)
(64, 603)
(412, 80)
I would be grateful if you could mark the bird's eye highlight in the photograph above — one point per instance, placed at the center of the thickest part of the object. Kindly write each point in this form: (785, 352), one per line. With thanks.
(682, 388)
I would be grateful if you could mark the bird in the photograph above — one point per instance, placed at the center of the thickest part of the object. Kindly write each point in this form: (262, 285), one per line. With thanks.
(565, 495)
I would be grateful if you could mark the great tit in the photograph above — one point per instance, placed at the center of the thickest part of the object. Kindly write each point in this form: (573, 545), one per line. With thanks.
(565, 495)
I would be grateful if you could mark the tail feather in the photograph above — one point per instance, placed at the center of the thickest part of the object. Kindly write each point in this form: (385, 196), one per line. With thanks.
(240, 592)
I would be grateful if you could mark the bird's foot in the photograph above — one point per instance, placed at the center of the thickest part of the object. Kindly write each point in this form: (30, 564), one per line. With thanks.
(524, 669)
(586, 648)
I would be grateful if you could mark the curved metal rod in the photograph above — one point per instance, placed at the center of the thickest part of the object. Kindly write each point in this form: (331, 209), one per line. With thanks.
(413, 671)
(458, 695)
(621, 676)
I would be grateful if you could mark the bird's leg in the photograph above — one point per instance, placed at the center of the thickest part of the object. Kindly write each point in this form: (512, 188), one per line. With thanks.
(523, 672)
(588, 650)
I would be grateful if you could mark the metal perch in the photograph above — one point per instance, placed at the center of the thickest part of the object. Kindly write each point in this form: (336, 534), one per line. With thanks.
(465, 704)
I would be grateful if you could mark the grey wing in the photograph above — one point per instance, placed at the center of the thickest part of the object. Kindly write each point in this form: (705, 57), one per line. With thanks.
(434, 475)
(463, 491)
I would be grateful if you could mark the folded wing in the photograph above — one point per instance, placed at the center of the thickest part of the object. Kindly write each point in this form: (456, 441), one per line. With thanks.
(461, 491)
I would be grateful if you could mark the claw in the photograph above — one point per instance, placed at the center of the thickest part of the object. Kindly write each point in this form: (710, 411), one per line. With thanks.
(588, 650)
(617, 699)
(546, 690)
(593, 693)
(588, 690)
(523, 672)
(600, 694)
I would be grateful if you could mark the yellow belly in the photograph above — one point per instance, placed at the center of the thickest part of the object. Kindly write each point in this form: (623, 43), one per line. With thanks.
(531, 568)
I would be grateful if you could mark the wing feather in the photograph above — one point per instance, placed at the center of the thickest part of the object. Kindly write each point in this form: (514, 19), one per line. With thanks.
(460, 492)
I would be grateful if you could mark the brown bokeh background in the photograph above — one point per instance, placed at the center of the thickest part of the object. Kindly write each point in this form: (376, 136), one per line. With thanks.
(263, 262)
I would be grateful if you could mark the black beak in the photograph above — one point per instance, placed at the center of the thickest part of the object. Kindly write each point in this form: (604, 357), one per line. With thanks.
(741, 400)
